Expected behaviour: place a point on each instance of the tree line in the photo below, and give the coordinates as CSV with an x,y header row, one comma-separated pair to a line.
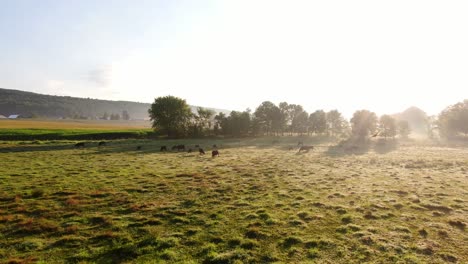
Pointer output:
x,y
173,117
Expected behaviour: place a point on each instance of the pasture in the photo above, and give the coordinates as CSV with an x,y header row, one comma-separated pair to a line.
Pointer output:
x,y
44,129
258,202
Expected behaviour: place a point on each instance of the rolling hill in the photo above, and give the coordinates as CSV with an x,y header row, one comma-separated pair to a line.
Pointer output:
x,y
30,104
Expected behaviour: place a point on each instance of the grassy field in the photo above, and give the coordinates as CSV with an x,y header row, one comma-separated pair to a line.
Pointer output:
x,y
258,202
36,129
73,124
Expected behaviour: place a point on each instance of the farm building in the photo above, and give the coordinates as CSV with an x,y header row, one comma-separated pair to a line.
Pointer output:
x,y
2,117
14,116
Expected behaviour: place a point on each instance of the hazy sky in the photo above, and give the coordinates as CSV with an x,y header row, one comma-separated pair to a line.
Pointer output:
x,y
379,55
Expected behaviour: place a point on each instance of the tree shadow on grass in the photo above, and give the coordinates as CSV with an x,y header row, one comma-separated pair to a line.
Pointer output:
x,y
33,148
353,146
383,146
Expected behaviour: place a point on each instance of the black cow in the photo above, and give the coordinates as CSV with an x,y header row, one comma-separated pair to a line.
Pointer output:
x,y
305,148
201,151
189,150
80,145
138,147
163,148
180,147
101,143
214,153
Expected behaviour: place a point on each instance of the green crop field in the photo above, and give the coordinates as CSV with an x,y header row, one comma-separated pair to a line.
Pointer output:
x,y
258,202
37,129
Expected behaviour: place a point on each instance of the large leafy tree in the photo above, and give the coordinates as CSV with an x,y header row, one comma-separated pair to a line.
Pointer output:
x,y
453,120
387,126
403,128
296,115
268,117
363,123
335,123
170,114
318,122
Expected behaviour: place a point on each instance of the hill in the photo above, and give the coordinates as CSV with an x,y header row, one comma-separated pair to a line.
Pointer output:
x,y
30,104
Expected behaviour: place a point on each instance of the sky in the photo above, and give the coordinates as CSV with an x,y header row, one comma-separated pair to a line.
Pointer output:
x,y
384,56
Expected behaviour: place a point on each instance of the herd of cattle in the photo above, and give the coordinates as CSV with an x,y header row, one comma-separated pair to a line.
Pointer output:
x,y
180,147
201,151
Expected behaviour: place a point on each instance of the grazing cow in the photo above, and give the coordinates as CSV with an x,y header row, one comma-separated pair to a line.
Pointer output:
x,y
201,151
214,146
101,143
305,148
179,147
189,150
163,148
214,153
197,146
80,145
138,147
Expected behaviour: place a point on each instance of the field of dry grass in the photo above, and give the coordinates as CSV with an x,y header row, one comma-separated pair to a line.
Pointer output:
x,y
73,124
256,203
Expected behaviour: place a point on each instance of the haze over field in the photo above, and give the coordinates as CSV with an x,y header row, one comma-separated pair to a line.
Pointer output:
x,y
382,56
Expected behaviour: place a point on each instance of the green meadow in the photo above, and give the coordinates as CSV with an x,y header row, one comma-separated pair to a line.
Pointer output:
x,y
258,202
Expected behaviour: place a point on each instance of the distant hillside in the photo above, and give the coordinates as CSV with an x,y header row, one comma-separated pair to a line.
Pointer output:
x,y
416,118
50,106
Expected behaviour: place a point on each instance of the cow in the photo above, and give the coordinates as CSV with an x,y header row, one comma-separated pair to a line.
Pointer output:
x,y
214,146
101,143
138,147
163,148
214,153
201,151
179,147
189,150
80,145
305,148
197,146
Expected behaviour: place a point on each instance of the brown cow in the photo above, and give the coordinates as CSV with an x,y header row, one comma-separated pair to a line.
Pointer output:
x,y
214,153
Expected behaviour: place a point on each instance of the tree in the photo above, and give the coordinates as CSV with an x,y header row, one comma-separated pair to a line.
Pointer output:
x,y
335,123
220,126
268,116
387,126
125,115
403,128
170,114
286,118
114,117
453,120
363,123
201,122
299,118
318,122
